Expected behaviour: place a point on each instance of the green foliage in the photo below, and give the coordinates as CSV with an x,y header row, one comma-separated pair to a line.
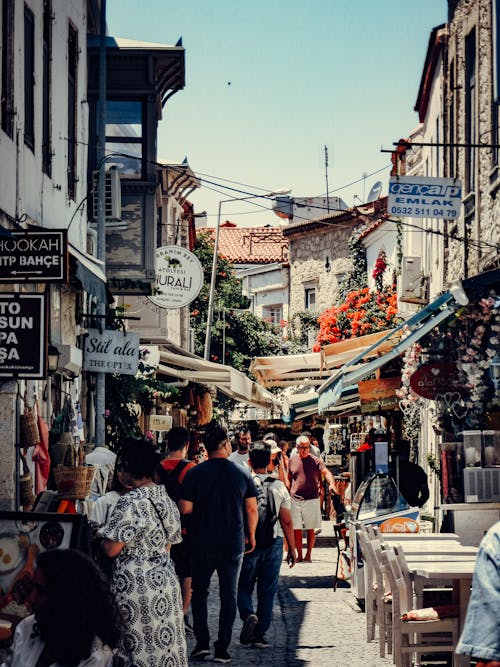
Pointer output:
x,y
358,278
237,335
301,323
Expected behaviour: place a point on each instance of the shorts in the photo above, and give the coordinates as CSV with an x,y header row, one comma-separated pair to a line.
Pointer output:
x,y
179,553
306,514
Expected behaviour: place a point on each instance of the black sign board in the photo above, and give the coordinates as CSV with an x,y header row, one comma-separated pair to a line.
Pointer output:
x,y
34,256
23,323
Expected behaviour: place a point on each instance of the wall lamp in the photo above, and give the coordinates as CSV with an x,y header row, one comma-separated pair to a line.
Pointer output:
x,y
328,266
52,358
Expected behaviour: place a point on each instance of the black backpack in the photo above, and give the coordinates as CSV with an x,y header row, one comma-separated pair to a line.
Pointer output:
x,y
170,479
268,515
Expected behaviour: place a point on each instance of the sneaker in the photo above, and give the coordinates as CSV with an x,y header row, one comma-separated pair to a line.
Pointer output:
x,y
260,642
187,625
249,624
221,655
199,652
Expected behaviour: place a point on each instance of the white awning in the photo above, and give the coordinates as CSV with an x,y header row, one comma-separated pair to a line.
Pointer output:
x,y
314,368
229,381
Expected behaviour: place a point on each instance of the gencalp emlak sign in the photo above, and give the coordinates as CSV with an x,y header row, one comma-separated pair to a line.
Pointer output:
x,y
424,197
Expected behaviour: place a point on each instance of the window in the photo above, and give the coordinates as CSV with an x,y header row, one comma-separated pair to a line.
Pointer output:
x,y
72,96
46,84
470,110
7,93
451,121
310,298
124,137
273,314
496,79
29,78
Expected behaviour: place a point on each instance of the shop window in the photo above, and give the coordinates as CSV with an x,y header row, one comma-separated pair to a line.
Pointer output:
x,y
29,78
46,86
7,92
72,110
124,137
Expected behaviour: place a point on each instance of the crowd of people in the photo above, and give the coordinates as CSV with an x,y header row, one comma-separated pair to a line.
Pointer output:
x,y
166,525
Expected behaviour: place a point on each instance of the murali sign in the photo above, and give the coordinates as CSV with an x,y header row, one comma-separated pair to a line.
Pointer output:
x,y
111,351
424,197
179,277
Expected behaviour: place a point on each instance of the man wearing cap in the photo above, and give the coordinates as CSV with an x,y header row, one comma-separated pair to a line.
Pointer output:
x,y
305,472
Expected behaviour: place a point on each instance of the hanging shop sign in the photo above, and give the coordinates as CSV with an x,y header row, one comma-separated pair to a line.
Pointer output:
x,y
111,351
23,340
424,197
34,256
435,379
160,422
375,395
179,277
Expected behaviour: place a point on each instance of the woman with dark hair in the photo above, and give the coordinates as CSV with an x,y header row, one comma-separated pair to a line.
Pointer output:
x,y
75,619
144,524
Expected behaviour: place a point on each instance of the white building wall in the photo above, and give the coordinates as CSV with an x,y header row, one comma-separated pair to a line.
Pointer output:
x,y
24,189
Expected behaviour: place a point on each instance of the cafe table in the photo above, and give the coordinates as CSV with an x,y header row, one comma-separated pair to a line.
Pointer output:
x,y
459,573
408,537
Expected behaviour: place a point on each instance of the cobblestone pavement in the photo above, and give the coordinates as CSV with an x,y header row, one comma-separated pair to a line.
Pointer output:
x,y
312,624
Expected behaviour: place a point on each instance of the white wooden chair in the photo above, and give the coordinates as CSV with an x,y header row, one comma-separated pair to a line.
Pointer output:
x,y
414,637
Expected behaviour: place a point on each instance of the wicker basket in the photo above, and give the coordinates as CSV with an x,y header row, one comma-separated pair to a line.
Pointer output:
x,y
74,482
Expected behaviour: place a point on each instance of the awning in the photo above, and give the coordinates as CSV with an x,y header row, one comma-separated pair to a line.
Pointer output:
x,y
232,383
90,274
333,390
315,367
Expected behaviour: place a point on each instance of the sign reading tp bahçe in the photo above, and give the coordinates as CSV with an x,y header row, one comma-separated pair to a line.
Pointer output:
x,y
424,197
179,277
111,351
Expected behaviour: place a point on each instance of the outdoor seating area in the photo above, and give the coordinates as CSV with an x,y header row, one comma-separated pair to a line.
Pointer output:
x,y
417,588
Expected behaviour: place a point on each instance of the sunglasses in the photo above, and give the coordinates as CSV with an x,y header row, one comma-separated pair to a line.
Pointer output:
x,y
303,447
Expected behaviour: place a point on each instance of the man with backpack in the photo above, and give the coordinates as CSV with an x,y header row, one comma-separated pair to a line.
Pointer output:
x,y
171,472
262,566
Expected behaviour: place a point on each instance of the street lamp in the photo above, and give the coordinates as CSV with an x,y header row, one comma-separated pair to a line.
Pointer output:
x,y
210,313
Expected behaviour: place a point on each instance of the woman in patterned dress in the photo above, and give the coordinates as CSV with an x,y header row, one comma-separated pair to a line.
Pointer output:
x,y
143,525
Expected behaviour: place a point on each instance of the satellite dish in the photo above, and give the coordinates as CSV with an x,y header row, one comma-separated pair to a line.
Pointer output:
x,y
375,192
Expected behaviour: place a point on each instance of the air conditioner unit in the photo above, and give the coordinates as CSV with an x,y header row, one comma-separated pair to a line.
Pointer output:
x,y
113,196
482,485
413,282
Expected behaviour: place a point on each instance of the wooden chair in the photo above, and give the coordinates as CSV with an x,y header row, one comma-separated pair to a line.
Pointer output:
x,y
370,584
342,540
414,637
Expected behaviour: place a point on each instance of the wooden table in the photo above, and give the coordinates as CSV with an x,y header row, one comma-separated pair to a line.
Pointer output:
x,y
460,573
409,537
425,547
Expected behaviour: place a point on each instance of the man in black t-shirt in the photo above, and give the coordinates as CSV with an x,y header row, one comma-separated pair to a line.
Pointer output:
x,y
413,483
219,500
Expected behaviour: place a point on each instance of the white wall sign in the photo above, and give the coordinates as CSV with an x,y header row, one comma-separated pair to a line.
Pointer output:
x,y
111,351
179,277
424,197
160,422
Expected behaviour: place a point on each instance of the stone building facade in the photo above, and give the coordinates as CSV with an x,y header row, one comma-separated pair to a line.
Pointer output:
x,y
319,259
472,116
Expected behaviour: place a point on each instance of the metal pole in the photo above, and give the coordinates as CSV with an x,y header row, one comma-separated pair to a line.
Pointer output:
x,y
100,429
210,312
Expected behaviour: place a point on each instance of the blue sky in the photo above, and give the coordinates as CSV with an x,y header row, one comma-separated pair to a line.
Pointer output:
x,y
270,83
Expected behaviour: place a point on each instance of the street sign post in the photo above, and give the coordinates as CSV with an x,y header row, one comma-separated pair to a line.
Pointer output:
x,y
34,256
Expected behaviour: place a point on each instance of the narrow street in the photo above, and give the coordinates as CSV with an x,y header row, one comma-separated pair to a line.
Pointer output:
x,y
312,624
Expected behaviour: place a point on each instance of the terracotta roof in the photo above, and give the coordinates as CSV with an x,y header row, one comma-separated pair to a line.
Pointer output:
x,y
251,245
